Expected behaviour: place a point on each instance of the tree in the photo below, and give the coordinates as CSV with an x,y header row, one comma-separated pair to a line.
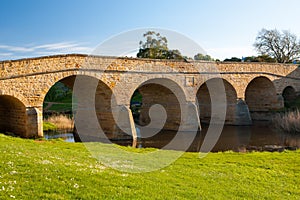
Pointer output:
x,y
283,47
265,58
57,92
233,59
156,46
200,56
261,58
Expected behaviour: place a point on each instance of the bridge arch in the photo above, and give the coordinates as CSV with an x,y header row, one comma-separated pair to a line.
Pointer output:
x,y
204,100
102,99
48,81
13,116
289,94
65,84
165,92
260,95
133,81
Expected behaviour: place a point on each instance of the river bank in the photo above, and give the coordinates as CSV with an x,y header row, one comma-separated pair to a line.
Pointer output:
x,y
39,169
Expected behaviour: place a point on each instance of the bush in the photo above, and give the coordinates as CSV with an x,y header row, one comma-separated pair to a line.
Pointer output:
x,y
47,126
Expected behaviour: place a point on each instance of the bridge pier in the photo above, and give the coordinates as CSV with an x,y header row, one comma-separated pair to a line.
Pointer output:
x,y
124,122
34,122
242,113
191,119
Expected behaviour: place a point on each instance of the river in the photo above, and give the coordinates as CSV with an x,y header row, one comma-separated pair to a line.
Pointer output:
x,y
260,136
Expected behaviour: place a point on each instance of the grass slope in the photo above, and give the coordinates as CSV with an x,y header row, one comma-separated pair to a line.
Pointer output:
x,y
57,170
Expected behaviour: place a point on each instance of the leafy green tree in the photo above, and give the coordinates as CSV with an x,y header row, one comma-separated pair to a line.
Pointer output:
x,y
250,59
265,58
233,59
283,47
261,58
200,56
57,92
156,46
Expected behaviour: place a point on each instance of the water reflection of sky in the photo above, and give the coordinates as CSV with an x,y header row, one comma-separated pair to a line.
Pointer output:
x,y
67,137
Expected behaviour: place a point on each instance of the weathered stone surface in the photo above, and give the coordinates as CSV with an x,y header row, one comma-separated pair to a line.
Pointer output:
x,y
24,84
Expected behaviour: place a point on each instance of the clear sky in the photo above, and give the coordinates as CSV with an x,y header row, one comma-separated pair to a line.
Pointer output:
x,y
223,28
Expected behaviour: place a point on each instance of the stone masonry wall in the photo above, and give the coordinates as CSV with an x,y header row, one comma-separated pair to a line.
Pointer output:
x,y
12,116
29,80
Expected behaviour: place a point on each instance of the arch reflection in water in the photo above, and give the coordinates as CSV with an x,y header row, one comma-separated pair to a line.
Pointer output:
x,y
259,136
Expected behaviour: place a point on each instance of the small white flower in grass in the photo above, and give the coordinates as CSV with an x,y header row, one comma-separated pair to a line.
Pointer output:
x,y
46,162
12,182
76,185
12,196
13,172
10,188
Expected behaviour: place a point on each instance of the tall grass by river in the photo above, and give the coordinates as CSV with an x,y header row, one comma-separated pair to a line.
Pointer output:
x,y
61,122
288,122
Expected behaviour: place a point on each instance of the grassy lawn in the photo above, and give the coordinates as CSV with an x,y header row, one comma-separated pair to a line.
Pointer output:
x,y
58,170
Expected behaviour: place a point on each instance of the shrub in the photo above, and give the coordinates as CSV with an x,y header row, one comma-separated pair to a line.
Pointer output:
x,y
47,126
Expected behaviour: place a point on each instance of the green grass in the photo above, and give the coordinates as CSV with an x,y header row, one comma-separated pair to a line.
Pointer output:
x,y
47,126
58,170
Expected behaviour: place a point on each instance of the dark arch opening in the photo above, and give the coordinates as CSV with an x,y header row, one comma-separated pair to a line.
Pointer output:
x,y
289,96
204,101
163,92
57,110
65,101
135,105
59,97
12,116
152,93
260,95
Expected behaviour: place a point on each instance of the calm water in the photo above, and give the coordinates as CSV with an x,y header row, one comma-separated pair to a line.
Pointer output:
x,y
260,136
68,137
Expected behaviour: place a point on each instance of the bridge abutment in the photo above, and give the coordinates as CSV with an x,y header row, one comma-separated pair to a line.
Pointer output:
x,y
34,122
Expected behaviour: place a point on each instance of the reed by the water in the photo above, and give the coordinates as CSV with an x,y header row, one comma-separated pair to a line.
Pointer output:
x,y
288,122
61,122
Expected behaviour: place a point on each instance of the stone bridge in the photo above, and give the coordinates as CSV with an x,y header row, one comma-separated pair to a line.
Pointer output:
x,y
251,89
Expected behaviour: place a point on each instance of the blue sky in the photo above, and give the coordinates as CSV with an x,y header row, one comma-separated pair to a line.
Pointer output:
x,y
223,28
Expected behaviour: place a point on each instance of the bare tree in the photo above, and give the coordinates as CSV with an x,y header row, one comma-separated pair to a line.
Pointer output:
x,y
283,47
